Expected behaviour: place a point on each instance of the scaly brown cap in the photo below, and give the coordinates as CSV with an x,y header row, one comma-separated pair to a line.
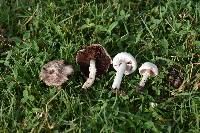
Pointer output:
x,y
97,53
55,73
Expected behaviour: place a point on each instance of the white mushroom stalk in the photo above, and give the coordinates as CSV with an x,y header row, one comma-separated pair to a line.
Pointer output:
x,y
92,74
119,75
144,78
123,63
147,69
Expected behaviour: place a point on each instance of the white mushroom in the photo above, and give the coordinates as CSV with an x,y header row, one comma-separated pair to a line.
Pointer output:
x,y
123,63
153,104
146,70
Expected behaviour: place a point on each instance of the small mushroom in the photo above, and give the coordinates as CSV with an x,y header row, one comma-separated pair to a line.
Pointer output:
x,y
146,70
55,73
93,60
175,77
153,104
123,63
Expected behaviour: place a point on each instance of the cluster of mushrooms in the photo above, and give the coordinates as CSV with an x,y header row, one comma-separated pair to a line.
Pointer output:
x,y
95,61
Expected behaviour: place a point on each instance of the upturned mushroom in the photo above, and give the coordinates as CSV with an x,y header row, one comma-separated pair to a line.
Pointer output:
x,y
55,73
147,69
94,61
123,63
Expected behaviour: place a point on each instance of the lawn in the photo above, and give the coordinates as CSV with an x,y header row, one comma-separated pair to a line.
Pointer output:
x,y
34,32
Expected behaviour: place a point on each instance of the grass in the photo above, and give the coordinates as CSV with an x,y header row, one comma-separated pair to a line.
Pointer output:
x,y
35,32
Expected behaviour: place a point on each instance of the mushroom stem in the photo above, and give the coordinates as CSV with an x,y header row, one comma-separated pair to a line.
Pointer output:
x,y
144,78
118,77
92,74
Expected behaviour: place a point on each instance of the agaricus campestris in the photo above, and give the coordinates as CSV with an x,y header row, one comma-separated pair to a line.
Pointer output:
x,y
123,63
93,60
147,69
55,73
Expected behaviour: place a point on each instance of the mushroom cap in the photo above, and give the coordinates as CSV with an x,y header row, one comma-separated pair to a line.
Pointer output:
x,y
130,61
55,73
150,67
93,52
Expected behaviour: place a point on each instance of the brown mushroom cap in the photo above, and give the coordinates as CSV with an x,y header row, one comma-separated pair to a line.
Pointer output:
x,y
97,53
55,73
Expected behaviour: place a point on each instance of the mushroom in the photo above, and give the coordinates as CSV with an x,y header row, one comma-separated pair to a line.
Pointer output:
x,y
123,63
93,60
55,73
153,104
146,70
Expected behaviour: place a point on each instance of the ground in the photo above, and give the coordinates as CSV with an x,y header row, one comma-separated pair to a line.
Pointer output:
x,y
164,32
